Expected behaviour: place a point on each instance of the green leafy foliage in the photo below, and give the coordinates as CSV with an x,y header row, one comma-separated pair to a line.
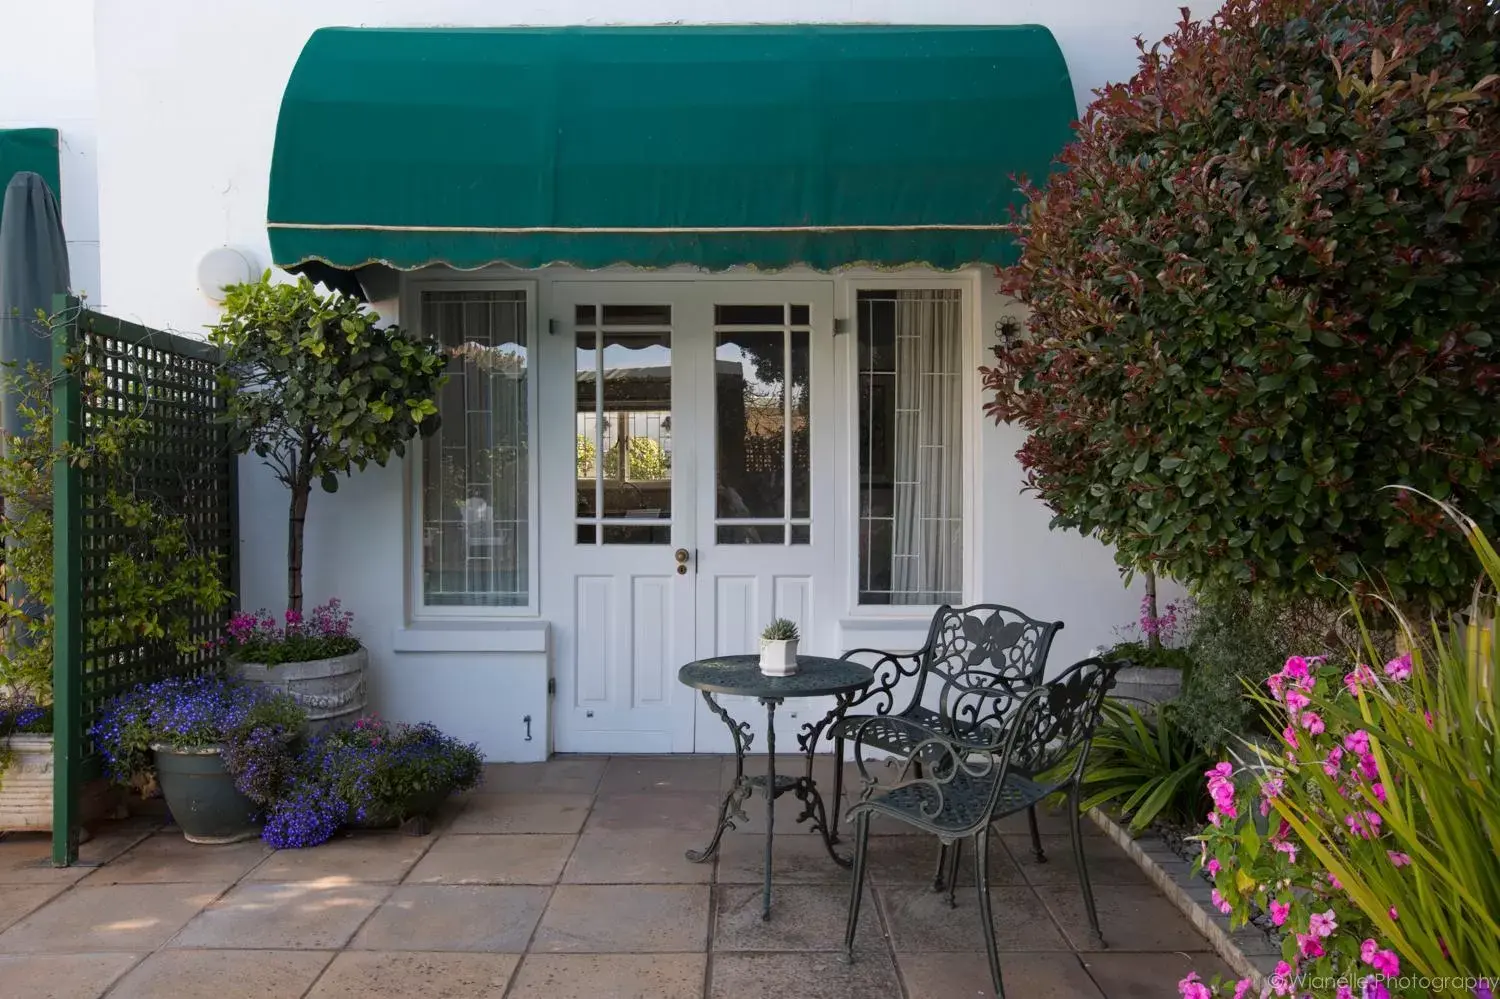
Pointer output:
x,y
1262,287
317,389
1149,656
779,630
1147,766
646,459
158,580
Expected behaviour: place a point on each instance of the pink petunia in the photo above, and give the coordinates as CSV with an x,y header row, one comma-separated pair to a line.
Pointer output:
x,y
1335,883
1309,945
1221,903
1357,741
1322,924
1387,963
1392,913
1399,668
1379,791
1213,868
1290,736
1313,722
1375,989
1290,849
1295,668
1296,700
1398,859
1335,758
1191,988
1344,992
1367,950
1281,978
1279,912
1241,988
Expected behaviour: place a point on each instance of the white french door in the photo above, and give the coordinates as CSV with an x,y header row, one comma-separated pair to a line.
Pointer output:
x,y
686,428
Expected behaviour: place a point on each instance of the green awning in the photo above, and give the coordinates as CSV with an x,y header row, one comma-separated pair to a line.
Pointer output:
x,y
32,150
713,146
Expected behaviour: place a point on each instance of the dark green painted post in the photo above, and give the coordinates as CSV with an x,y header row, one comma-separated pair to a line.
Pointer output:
x,y
67,571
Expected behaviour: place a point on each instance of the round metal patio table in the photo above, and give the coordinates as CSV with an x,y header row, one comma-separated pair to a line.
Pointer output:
x,y
740,676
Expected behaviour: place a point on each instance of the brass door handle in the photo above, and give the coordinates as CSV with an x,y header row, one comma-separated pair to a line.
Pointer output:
x,y
682,556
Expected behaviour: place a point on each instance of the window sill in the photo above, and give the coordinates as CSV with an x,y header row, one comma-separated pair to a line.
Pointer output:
x,y
476,636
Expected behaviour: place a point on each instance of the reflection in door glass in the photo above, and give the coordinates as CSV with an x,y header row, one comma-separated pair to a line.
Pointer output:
x,y
762,419
624,429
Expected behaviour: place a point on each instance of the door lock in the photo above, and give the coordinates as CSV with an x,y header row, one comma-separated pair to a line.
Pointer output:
x,y
682,556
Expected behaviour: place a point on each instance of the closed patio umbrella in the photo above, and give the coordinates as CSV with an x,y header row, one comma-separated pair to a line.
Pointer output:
x,y
33,268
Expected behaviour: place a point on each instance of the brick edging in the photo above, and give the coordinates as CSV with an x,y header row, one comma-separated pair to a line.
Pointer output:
x,y
1190,893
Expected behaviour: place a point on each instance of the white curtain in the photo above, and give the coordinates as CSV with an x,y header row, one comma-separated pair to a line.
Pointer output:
x,y
927,560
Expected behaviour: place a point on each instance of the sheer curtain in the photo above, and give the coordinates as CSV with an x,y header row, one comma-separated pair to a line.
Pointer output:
x,y
926,555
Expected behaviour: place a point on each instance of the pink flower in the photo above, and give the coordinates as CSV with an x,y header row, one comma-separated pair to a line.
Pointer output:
x,y
1281,978
1379,791
1335,883
1331,764
1241,988
1296,700
1367,950
1290,736
1191,988
1393,915
1357,741
1387,963
1213,868
1368,766
1375,989
1295,668
1398,859
1288,848
1313,722
1221,903
1275,683
1309,945
1360,676
1344,992
1399,668
1279,912
1322,924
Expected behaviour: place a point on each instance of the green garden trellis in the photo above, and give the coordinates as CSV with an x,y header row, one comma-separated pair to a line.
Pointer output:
x,y
184,459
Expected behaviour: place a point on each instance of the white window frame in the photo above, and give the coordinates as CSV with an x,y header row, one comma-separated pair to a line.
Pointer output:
x,y
969,284
417,609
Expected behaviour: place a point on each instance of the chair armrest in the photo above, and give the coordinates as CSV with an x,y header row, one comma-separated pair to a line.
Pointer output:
x,y
890,669
931,748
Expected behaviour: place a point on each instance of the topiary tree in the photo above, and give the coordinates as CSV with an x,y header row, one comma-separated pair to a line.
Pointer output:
x,y
317,389
1264,286
645,459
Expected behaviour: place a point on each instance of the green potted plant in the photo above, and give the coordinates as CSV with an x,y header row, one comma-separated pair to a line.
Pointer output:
x,y
159,582
317,389
778,648
183,730
315,658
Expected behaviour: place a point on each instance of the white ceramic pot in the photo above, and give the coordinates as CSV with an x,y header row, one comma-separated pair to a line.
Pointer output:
x,y
26,785
778,658
332,690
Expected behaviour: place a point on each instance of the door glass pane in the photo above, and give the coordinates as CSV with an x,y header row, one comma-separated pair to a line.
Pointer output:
x,y
756,534
624,424
801,428
750,424
475,468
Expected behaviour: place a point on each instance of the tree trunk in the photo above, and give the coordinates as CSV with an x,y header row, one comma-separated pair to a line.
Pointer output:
x,y
1154,639
300,493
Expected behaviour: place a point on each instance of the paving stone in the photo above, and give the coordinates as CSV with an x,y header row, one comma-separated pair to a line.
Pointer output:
x,y
967,976
560,775
806,975
108,917
299,915
61,976
1049,821
913,860
213,974
624,919
1107,863
364,857
681,812
375,975
26,859
1150,976
614,856
497,919
494,860
168,857
18,901
920,920
794,860
610,976
523,812
650,774
1132,917
803,917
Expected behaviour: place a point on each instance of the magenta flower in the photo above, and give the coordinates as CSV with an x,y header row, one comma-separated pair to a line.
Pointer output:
x,y
1379,791
1290,736
1313,722
1357,742
1296,700
1213,868
1241,988
1309,945
1295,668
1392,913
1322,924
1344,992
1367,950
1221,903
1398,859
1281,978
1399,668
1335,883
1375,989
1387,963
1290,849
1279,912
1331,764
1191,988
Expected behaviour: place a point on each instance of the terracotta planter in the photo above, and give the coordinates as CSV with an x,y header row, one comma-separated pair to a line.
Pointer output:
x,y
201,795
332,690
26,784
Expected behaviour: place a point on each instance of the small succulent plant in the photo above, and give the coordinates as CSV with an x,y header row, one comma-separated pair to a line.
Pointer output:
x,y
779,630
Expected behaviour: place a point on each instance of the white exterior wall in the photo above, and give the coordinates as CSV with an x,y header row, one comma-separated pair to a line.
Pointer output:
x,y
187,100
47,81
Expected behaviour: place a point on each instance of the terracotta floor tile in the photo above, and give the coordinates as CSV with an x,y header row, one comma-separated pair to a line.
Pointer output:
x,y
498,919
411,975
535,859
222,974
299,915
624,919
610,976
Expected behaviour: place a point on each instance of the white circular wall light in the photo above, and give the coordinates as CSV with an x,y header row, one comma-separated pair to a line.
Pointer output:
x,y
221,268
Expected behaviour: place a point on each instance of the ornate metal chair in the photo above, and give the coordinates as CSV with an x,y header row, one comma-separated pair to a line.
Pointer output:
x,y
984,646
1040,748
